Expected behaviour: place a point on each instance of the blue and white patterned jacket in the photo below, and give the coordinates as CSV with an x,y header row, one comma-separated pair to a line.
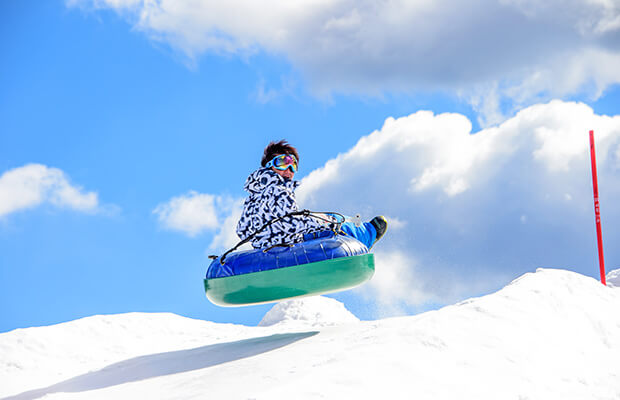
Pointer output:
x,y
272,196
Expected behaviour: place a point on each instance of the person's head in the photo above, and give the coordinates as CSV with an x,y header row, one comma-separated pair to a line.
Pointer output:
x,y
275,149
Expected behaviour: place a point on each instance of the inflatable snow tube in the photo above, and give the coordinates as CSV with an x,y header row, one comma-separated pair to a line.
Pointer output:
x,y
322,265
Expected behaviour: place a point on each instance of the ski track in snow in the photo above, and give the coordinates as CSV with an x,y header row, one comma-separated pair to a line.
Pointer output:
x,y
552,334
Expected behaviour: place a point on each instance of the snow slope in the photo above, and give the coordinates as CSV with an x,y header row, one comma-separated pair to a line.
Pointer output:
x,y
552,334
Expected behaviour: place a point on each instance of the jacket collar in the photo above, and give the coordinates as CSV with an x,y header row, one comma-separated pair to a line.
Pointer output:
x,y
263,177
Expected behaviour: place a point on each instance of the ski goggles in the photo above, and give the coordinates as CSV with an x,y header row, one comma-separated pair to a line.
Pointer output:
x,y
282,162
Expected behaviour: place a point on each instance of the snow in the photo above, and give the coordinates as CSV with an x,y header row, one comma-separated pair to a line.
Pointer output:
x,y
318,311
552,334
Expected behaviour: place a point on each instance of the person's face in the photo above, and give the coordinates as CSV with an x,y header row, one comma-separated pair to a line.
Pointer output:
x,y
286,174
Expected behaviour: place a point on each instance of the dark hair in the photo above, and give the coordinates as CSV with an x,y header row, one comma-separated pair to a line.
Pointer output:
x,y
276,148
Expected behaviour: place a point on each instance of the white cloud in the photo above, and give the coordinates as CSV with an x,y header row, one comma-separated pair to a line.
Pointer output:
x,y
35,184
191,213
438,151
396,223
226,237
396,280
195,213
520,51
446,154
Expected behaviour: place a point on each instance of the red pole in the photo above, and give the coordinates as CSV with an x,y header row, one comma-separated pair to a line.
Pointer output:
x,y
597,212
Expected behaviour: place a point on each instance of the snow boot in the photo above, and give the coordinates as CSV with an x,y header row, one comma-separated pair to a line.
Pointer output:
x,y
380,224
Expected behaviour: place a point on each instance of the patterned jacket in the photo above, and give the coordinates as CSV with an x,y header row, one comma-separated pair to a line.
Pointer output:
x,y
272,196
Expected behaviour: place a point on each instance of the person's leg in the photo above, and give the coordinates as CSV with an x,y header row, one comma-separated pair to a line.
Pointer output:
x,y
368,232
365,233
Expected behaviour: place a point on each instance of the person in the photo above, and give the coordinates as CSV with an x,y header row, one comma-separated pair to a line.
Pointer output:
x,y
271,191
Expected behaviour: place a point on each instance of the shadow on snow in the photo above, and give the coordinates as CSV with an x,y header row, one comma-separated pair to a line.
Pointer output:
x,y
154,365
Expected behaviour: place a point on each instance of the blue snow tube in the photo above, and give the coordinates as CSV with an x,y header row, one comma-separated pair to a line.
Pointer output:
x,y
327,262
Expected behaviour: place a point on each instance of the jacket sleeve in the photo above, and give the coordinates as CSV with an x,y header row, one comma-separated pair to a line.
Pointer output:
x,y
249,221
284,202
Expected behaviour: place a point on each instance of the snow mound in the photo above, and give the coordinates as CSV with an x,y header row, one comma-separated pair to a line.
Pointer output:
x,y
613,278
44,355
552,334
314,311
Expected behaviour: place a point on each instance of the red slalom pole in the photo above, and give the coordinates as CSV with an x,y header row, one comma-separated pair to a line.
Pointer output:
x,y
597,212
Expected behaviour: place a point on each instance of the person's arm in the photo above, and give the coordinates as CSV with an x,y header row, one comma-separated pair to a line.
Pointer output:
x,y
244,226
285,203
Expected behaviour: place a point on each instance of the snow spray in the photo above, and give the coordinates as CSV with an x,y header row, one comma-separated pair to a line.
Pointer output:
x,y
597,212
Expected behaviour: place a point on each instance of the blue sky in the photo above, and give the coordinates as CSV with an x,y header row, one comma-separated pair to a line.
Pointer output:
x,y
111,115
